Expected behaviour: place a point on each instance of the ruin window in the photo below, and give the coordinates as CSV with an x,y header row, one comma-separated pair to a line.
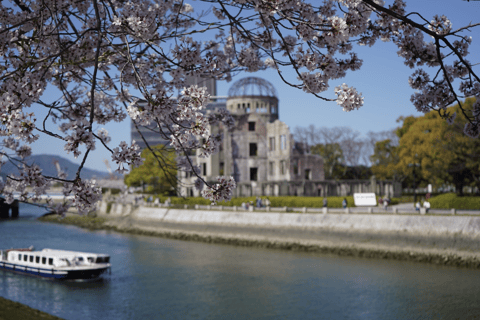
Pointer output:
x,y
253,149
308,174
271,168
283,142
251,126
283,167
253,174
295,167
204,169
271,144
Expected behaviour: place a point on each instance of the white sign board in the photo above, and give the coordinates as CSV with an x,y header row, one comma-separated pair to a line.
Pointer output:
x,y
365,199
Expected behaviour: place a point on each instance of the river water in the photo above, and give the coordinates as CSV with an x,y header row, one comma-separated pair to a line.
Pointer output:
x,y
155,278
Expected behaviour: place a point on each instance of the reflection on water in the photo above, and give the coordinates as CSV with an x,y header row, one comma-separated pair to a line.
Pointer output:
x,y
154,278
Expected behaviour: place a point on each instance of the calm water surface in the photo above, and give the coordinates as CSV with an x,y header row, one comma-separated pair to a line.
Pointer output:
x,y
154,278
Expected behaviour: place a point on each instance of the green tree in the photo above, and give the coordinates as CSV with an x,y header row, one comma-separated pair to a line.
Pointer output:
x,y
444,153
158,171
333,159
464,166
384,160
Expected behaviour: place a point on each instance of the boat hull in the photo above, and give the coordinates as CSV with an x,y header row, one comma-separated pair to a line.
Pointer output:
x,y
79,274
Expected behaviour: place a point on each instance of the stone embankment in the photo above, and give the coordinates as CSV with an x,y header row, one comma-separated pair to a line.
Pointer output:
x,y
450,240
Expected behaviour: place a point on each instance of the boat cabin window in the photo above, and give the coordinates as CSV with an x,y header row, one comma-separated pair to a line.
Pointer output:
x,y
44,260
19,257
50,261
37,259
103,259
80,259
91,259
25,257
31,258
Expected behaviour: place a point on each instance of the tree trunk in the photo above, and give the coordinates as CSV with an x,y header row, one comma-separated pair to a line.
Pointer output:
x,y
459,188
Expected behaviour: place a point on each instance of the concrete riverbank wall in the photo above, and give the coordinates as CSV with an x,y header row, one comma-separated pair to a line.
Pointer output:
x,y
466,226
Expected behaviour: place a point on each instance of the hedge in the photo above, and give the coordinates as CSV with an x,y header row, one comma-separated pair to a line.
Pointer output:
x,y
283,201
452,201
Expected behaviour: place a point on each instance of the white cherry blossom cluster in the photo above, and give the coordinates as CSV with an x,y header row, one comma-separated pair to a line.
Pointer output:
x,y
221,191
440,25
192,126
85,195
30,176
129,155
348,98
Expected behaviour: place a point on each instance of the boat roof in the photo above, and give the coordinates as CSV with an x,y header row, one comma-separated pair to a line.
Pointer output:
x,y
60,253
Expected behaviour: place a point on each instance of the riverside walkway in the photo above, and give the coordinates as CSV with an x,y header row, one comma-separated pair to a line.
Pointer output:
x,y
403,208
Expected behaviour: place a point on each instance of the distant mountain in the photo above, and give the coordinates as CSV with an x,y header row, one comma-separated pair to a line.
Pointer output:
x,y
47,163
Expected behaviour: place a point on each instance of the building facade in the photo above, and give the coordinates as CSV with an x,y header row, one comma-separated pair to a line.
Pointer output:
x,y
259,152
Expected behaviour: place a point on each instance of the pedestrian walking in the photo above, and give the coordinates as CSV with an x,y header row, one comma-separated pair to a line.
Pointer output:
x,y
344,203
325,202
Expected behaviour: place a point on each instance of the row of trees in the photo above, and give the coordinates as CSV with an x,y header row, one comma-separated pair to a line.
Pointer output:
x,y
346,155
423,150
439,153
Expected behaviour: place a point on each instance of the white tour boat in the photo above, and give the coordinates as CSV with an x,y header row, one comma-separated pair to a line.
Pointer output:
x,y
57,264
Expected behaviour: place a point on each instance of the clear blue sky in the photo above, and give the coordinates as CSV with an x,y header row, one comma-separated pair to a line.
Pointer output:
x,y
383,80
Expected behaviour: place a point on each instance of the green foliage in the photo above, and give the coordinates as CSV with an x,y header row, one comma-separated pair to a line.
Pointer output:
x,y
360,172
310,202
453,201
435,152
283,201
158,171
384,160
332,155
113,191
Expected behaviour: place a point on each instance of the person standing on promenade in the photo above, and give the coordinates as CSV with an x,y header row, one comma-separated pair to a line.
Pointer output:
x,y
267,202
417,206
325,202
426,205
258,201
344,203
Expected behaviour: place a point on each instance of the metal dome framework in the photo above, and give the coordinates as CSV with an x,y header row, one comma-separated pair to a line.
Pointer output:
x,y
252,86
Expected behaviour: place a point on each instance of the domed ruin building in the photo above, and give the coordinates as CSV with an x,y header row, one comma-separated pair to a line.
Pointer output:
x,y
259,152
